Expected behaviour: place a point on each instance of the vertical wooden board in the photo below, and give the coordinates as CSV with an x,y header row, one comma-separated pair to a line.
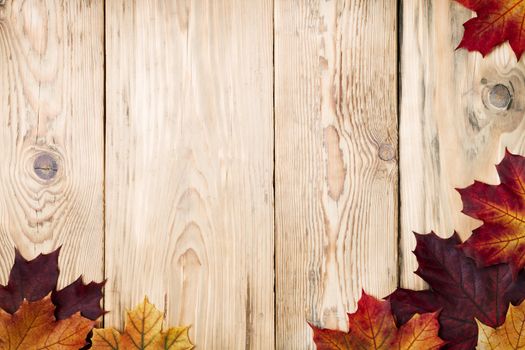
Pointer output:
x,y
51,133
451,133
336,166
189,166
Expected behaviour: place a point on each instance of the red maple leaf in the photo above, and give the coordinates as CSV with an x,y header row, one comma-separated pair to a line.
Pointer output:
x,y
372,326
497,21
473,5
501,207
460,289
33,280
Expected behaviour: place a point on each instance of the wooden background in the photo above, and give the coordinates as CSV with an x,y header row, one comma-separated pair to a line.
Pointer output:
x,y
250,165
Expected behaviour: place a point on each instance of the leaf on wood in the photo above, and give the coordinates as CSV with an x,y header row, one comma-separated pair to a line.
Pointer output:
x,y
143,330
31,280
511,335
497,21
79,297
501,238
34,279
471,4
34,326
460,289
372,326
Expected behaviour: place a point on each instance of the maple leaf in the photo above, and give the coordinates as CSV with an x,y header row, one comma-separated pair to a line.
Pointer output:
x,y
501,207
372,326
34,326
460,289
34,279
79,297
31,280
511,335
143,330
473,5
497,21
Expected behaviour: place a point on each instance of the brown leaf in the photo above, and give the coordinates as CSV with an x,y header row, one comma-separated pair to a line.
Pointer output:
x,y
33,326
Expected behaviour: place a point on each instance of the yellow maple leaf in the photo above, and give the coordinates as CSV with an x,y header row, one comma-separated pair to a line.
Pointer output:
x,y
510,335
33,326
143,331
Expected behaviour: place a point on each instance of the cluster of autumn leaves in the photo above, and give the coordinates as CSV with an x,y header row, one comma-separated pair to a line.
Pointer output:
x,y
472,283
35,315
477,287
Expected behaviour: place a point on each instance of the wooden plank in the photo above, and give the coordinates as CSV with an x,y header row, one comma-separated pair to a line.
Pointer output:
x,y
336,168
189,166
451,130
52,133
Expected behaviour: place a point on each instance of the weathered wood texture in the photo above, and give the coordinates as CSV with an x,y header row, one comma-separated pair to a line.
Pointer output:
x,y
192,109
189,166
336,161
453,126
52,133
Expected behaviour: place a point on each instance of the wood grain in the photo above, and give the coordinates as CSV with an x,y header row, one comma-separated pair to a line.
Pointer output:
x,y
452,128
189,166
51,133
336,166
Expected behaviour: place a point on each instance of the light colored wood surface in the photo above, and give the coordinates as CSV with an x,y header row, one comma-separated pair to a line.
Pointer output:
x,y
450,132
189,160
189,166
51,101
336,167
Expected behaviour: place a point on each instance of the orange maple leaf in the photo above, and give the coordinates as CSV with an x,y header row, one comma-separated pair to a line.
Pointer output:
x,y
372,326
497,21
33,326
510,335
143,330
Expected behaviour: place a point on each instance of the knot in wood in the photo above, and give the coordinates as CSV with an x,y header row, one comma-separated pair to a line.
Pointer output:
x,y
386,152
45,166
500,96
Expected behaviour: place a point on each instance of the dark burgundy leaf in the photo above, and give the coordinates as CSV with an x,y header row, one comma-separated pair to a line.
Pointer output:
x,y
516,293
31,280
459,288
406,303
79,297
456,327
34,279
